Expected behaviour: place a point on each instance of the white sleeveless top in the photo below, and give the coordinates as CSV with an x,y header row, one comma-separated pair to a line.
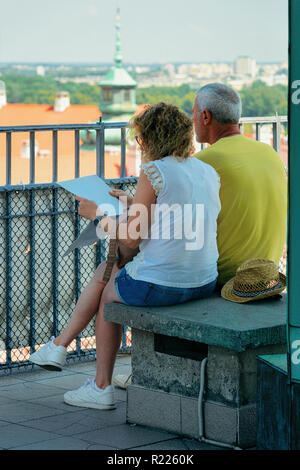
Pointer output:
x,y
181,250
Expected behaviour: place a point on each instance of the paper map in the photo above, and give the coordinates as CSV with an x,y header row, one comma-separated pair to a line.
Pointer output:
x,y
95,189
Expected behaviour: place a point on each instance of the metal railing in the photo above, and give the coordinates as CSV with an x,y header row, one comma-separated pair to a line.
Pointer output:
x,y
275,121
99,128
39,287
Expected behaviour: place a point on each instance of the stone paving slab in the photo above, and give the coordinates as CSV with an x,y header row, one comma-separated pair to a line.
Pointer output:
x,y
193,444
60,443
6,401
56,402
10,380
16,435
71,424
126,436
28,390
63,443
172,444
126,359
81,368
120,394
60,385
66,382
40,374
179,444
20,411
100,447
122,368
4,423
122,360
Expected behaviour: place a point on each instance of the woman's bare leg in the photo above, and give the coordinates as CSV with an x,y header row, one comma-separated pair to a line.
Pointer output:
x,y
108,336
86,307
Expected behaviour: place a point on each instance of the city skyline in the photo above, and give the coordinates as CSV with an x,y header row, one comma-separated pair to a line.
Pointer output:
x,y
160,32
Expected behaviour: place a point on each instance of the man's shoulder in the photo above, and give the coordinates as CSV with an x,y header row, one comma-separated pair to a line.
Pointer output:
x,y
206,154
233,146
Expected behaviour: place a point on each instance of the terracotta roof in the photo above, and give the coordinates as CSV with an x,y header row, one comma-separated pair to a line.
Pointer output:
x,y
17,114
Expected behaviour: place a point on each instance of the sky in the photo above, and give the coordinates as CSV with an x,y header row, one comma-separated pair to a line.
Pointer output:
x,y
152,31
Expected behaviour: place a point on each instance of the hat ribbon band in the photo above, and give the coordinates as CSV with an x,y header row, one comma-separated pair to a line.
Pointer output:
x,y
255,294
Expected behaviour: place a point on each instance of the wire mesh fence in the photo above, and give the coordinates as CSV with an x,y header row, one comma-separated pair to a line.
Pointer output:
x,y
39,286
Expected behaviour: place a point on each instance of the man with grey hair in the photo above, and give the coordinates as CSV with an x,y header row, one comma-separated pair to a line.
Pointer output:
x,y
253,217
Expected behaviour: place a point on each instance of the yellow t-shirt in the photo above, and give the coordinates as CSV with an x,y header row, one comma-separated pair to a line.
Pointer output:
x,y
252,222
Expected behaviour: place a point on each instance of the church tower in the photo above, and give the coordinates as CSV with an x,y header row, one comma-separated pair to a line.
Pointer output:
x,y
118,89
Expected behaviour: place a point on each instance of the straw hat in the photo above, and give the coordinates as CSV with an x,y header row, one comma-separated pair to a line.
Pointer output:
x,y
255,279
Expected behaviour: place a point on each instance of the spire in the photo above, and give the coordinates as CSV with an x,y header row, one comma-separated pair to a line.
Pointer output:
x,y
118,55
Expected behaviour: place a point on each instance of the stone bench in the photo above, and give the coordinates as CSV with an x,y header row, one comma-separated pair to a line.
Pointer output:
x,y
168,345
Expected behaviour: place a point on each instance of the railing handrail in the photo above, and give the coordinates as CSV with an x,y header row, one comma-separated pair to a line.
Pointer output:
x,y
98,127
263,119
53,185
64,127
119,125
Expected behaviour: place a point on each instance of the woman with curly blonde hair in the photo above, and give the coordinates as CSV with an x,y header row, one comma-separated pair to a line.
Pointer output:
x,y
173,220
160,137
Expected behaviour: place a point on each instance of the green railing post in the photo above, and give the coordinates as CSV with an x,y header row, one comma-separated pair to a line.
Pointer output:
x,y
293,271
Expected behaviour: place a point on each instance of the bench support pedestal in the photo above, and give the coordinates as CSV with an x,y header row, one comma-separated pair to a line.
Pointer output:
x,y
168,345
165,388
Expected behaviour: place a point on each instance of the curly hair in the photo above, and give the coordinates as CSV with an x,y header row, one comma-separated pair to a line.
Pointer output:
x,y
165,131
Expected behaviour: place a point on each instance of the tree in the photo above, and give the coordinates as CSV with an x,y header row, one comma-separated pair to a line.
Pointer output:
x,y
258,99
263,100
188,103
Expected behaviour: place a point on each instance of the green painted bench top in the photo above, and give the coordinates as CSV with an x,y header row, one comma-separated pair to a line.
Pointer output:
x,y
213,321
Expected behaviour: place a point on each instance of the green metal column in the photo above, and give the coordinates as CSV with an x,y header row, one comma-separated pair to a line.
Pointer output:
x,y
293,330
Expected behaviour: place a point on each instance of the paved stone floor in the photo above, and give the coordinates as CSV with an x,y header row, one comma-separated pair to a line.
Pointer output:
x,y
34,416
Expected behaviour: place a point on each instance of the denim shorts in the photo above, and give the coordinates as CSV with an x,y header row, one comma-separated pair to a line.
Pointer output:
x,y
141,293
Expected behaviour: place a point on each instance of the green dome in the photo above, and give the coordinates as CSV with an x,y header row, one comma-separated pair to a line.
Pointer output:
x,y
117,76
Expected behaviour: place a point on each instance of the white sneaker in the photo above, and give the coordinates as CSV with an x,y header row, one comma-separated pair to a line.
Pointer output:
x,y
90,396
122,381
50,356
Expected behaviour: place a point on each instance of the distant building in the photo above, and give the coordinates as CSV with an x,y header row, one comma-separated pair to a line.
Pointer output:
x,y
170,69
239,83
245,65
3,99
40,70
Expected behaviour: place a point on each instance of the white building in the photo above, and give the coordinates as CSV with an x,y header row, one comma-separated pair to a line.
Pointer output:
x,y
40,70
245,65
170,69
3,100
